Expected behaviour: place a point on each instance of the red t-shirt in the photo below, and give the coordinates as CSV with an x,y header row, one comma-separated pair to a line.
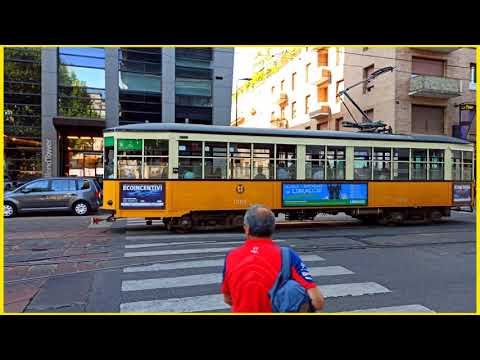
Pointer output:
x,y
251,270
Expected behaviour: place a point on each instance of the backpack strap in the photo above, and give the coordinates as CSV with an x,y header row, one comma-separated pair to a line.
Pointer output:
x,y
285,270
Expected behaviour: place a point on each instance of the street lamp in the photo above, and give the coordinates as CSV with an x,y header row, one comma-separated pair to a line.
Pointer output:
x,y
236,99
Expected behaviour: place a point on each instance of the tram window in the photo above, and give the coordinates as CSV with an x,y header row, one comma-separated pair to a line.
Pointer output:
x,y
286,152
190,168
419,155
129,147
467,166
216,168
240,168
215,149
419,164
263,151
240,150
381,164
435,167
108,158
156,147
362,164
401,164
156,168
401,155
189,148
130,168
335,163
286,169
456,165
315,162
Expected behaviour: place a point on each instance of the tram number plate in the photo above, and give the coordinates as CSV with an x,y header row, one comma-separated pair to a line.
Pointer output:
x,y
324,194
142,195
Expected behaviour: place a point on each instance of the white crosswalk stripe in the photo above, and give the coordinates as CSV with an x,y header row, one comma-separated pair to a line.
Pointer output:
x,y
213,278
215,302
196,264
138,246
178,252
396,309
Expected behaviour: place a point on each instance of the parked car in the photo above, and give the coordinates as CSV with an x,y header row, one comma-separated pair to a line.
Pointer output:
x,y
80,194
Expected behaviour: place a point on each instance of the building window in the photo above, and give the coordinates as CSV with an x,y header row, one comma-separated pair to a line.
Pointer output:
x,y
322,93
140,85
294,110
338,123
22,115
81,82
308,127
294,75
428,119
367,87
430,67
282,113
323,125
307,68
307,104
337,52
340,87
473,73
322,57
282,85
273,90
193,85
370,113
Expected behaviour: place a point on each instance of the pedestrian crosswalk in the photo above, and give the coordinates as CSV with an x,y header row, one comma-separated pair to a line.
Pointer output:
x,y
170,282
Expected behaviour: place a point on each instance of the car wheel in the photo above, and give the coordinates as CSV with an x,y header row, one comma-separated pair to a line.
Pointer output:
x,y
9,210
81,208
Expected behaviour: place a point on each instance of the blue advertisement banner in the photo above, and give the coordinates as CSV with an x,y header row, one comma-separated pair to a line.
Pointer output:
x,y
324,194
142,195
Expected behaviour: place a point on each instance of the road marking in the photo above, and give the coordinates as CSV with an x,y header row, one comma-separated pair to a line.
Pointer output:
x,y
216,278
396,309
177,252
197,264
215,302
191,236
137,246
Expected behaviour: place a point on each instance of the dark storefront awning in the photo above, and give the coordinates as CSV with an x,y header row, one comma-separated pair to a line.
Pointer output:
x,y
72,126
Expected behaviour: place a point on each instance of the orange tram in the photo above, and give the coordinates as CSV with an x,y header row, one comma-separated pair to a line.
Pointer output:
x,y
204,177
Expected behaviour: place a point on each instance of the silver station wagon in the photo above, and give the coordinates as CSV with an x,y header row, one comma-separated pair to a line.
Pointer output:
x,y
80,195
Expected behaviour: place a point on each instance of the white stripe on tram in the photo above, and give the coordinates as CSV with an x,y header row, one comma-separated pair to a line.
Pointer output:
x,y
215,302
212,278
197,264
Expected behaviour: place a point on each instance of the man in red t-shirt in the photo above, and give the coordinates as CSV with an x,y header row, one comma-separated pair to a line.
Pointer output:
x,y
251,269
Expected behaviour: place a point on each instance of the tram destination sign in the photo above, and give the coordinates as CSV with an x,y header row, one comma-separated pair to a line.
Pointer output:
x,y
324,194
142,195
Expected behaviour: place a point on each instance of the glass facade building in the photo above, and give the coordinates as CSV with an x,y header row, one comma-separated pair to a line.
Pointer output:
x,y
59,100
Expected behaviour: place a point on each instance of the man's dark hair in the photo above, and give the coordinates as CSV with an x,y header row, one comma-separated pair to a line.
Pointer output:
x,y
260,221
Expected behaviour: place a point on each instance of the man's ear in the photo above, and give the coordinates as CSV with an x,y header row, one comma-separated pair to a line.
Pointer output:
x,y
247,230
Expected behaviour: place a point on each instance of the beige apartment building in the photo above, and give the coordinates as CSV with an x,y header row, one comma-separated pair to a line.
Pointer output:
x,y
424,94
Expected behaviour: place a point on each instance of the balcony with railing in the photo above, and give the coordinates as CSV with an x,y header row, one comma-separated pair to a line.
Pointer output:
x,y
322,110
434,86
282,99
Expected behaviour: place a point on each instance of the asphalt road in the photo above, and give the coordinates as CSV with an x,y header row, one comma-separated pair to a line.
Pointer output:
x,y
409,268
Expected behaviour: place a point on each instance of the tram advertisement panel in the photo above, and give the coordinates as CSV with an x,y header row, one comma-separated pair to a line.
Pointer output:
x,y
324,194
462,193
142,195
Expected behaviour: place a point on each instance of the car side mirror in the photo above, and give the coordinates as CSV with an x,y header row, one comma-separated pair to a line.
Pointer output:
x,y
26,191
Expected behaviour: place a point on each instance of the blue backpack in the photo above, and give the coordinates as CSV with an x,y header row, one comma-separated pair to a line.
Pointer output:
x,y
287,295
